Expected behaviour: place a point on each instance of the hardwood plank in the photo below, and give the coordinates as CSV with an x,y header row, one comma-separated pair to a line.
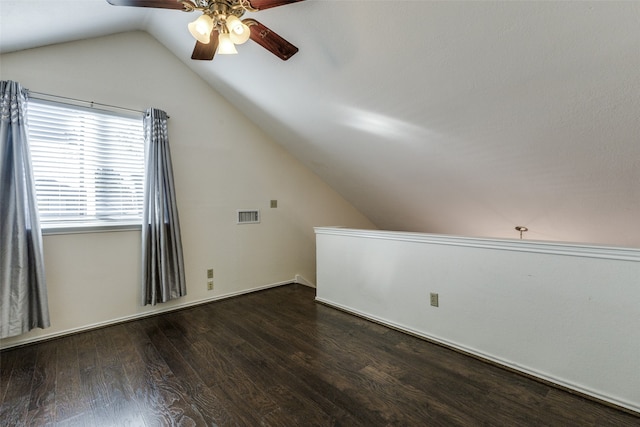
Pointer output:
x,y
355,362
71,405
219,382
118,391
125,341
15,405
576,410
295,396
207,406
8,359
42,405
235,348
92,384
13,412
164,397
18,394
449,393
223,372
284,352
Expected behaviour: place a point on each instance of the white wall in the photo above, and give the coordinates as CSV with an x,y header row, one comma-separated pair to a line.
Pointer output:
x,y
222,162
566,313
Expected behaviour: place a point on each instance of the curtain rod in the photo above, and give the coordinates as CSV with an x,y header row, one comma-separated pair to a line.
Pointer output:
x,y
91,104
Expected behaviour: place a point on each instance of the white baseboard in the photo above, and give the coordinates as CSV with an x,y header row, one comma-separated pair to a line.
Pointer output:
x,y
123,319
302,281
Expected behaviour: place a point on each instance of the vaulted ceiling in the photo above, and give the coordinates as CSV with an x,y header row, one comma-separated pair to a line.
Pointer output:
x,y
453,117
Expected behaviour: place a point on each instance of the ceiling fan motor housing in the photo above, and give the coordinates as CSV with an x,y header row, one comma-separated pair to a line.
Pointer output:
x,y
218,10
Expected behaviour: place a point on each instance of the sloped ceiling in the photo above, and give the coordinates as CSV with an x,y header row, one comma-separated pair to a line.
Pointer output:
x,y
454,117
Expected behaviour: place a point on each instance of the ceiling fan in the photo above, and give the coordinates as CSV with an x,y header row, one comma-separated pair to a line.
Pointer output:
x,y
219,28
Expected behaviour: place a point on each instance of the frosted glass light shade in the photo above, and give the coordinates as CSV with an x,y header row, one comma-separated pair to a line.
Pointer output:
x,y
201,28
234,24
225,45
238,30
242,37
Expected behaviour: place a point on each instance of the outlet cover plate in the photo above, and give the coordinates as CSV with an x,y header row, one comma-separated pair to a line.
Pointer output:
x,y
434,299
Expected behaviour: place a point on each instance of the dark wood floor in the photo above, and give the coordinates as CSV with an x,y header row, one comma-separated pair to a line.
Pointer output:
x,y
272,358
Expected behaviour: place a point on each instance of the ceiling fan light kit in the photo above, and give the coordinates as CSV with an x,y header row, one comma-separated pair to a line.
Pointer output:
x,y
220,28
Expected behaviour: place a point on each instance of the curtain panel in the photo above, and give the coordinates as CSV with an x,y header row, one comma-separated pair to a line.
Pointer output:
x,y
23,293
163,276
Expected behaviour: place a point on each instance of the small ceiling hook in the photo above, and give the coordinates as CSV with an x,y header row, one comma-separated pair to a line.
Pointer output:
x,y
521,229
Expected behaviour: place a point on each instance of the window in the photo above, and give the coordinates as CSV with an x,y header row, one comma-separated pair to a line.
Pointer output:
x,y
88,165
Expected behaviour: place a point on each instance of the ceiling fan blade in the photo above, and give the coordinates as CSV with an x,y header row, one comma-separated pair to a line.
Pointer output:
x,y
266,4
270,40
205,52
160,4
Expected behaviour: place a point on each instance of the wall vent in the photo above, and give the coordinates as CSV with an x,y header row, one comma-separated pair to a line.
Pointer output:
x,y
248,216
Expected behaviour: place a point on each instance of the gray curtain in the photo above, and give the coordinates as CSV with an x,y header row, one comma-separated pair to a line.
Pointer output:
x,y
163,276
23,293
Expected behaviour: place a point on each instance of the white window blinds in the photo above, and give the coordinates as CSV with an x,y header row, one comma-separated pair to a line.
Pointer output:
x,y
88,165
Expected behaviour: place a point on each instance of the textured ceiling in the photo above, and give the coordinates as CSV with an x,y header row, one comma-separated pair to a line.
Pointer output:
x,y
450,117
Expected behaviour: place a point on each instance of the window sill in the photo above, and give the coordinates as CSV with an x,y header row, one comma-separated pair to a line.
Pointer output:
x,y
82,229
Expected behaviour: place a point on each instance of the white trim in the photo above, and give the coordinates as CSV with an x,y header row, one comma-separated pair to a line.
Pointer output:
x,y
141,315
302,281
482,355
555,248
51,230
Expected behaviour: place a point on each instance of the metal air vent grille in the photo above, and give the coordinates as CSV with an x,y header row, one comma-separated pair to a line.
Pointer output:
x,y
248,216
